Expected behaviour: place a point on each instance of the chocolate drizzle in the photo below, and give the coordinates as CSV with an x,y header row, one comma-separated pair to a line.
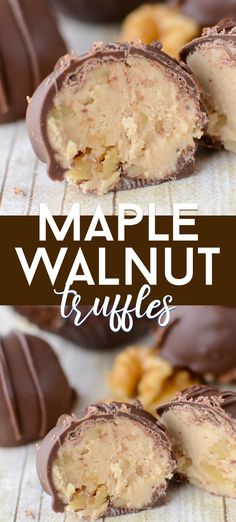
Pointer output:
x,y
9,394
38,389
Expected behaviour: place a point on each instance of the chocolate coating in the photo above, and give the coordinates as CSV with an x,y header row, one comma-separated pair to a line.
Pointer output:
x,y
30,45
224,32
94,333
207,12
33,389
208,397
100,12
201,339
69,76
69,429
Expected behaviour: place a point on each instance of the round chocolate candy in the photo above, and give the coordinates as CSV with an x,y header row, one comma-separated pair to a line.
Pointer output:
x,y
33,389
207,12
95,333
122,116
113,459
101,11
202,424
201,339
212,60
30,45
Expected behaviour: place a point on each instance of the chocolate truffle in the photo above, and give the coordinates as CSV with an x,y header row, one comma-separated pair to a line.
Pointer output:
x,y
94,333
202,424
112,460
120,117
30,45
207,12
212,60
201,339
102,11
33,389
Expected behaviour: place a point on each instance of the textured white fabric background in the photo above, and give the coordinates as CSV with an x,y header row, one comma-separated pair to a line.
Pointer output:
x,y
24,183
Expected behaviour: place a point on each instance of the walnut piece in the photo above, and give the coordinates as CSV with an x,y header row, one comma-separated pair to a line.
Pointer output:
x,y
82,499
140,373
160,22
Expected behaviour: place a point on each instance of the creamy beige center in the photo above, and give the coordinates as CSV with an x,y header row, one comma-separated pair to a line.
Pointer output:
x,y
117,462
131,115
215,69
206,451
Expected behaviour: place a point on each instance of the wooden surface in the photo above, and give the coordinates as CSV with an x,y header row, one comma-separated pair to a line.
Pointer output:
x,y
24,183
21,496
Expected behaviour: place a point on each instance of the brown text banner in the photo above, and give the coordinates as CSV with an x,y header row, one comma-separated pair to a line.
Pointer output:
x,y
198,271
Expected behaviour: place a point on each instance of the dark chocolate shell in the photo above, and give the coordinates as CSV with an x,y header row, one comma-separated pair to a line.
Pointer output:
x,y
201,339
33,389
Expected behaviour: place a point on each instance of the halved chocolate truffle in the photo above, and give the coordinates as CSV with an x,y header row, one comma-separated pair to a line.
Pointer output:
x,y
202,424
30,45
101,11
112,460
95,333
201,339
212,59
33,389
119,117
207,12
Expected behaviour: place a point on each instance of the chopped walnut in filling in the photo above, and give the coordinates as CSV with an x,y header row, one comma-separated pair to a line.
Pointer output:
x,y
118,463
116,119
205,448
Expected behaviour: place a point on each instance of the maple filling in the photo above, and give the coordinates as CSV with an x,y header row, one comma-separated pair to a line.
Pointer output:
x,y
214,68
205,448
